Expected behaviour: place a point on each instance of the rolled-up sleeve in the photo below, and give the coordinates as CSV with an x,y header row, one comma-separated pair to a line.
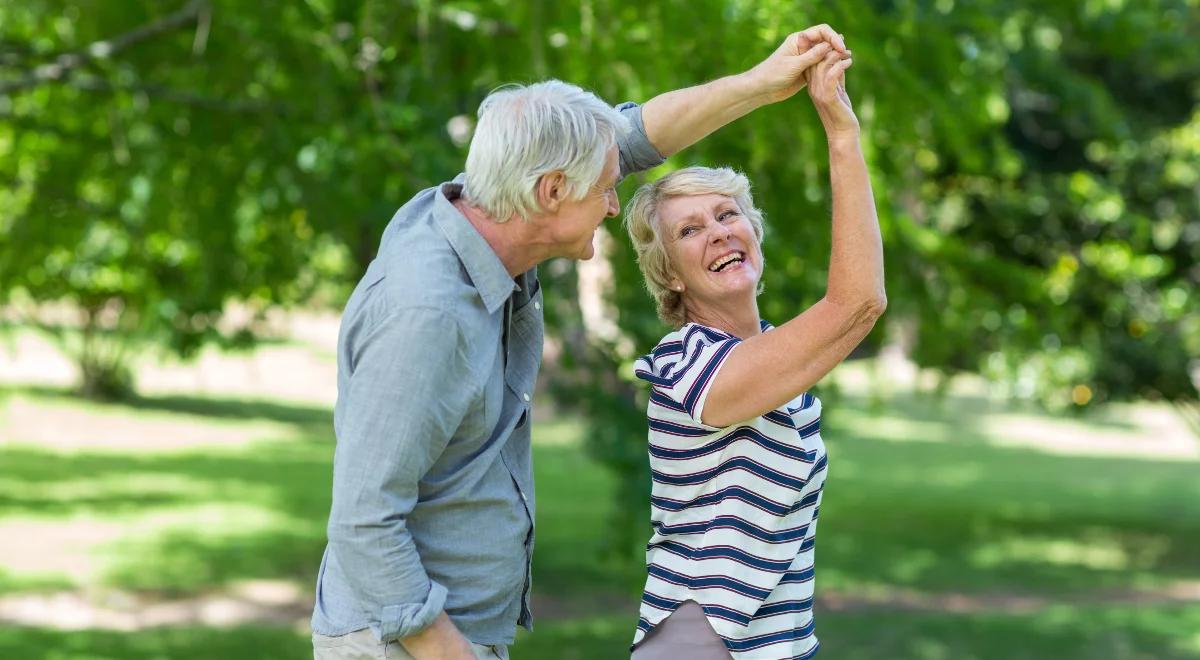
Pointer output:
x,y
637,153
407,393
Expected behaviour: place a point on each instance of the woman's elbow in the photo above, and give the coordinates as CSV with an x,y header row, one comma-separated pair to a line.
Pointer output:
x,y
879,304
861,309
871,308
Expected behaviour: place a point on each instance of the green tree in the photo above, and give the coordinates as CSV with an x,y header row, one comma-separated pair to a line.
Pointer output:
x,y
1035,164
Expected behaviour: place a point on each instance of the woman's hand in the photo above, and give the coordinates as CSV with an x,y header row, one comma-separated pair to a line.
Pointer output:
x,y
827,87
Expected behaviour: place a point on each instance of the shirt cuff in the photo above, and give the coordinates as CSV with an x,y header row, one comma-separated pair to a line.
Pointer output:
x,y
403,620
637,152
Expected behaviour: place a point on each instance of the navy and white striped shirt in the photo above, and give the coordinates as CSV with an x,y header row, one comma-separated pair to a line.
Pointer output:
x,y
734,509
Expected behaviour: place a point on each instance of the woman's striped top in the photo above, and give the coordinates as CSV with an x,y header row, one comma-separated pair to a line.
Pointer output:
x,y
734,509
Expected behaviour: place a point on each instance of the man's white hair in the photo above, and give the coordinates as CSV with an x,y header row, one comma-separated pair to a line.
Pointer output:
x,y
526,132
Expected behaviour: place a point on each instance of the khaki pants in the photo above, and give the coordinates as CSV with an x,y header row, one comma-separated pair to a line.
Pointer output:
x,y
362,645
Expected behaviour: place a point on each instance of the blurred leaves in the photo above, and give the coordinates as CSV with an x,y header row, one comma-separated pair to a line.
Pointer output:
x,y
1035,166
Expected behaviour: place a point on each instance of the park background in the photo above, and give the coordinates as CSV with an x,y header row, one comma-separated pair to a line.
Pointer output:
x,y
191,188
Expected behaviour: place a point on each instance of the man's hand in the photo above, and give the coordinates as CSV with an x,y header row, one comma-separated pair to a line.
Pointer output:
x,y
440,641
782,74
678,119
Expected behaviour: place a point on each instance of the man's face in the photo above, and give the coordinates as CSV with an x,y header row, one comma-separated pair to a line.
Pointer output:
x,y
575,224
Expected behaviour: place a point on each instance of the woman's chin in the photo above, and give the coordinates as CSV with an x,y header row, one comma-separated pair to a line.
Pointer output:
x,y
744,278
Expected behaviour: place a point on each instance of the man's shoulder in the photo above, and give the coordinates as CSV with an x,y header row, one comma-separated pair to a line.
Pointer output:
x,y
421,272
417,269
419,265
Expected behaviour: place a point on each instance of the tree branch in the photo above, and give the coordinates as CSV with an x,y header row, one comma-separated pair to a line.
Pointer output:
x,y
96,84
67,63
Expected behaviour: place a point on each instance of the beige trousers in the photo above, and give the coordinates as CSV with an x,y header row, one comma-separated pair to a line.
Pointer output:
x,y
362,645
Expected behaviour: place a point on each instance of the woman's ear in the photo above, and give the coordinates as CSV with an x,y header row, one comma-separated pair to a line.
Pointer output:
x,y
551,191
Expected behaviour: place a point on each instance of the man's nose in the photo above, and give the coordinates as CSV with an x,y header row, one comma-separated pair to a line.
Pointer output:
x,y
614,204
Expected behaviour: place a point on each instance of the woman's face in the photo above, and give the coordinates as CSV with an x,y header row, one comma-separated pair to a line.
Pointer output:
x,y
713,252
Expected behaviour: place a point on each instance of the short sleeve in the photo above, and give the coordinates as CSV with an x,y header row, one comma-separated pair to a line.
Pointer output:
x,y
637,152
681,372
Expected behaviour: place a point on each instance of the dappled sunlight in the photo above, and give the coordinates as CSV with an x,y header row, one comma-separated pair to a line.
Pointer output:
x,y
250,601
1094,551
167,522
63,424
872,405
1003,518
1069,631
187,509
1157,434
56,550
187,547
138,490
30,358
193,188
184,642
896,427
311,374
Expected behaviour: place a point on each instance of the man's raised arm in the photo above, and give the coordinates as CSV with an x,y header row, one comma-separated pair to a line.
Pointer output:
x,y
675,120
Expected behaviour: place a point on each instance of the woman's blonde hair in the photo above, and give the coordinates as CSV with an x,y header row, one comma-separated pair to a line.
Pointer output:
x,y
642,223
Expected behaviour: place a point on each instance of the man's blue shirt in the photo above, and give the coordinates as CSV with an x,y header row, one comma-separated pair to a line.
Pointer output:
x,y
433,503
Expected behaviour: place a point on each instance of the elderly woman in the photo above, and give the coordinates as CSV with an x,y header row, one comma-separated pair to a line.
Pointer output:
x,y
735,445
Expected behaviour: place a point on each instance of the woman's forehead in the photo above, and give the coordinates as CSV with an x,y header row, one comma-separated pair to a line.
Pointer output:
x,y
679,207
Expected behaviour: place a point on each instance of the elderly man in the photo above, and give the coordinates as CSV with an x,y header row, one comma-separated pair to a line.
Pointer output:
x,y
431,528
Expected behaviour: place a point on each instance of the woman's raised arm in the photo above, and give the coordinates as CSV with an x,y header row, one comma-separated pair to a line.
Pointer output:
x,y
768,370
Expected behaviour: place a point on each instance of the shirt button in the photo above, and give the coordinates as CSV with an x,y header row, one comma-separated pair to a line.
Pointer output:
x,y
537,305
525,396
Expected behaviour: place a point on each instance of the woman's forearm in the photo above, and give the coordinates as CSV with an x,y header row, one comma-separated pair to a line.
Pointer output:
x,y
856,257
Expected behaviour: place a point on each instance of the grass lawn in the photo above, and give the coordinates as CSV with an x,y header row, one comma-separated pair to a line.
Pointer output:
x,y
938,539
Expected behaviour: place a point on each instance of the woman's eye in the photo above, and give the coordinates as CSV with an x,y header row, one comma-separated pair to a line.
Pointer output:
x,y
725,215
687,231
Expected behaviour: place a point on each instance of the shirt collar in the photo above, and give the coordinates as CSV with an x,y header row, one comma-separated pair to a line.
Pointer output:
x,y
484,267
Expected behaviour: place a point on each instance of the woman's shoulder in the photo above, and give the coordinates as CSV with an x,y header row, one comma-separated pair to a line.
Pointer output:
x,y
668,349
683,340
693,334
682,350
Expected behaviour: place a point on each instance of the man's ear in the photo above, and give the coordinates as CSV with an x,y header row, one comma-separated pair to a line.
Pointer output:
x,y
551,191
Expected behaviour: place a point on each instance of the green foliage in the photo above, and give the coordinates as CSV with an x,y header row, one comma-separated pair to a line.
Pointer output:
x,y
1035,167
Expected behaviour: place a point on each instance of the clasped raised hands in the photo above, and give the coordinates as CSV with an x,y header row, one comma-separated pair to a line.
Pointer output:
x,y
816,57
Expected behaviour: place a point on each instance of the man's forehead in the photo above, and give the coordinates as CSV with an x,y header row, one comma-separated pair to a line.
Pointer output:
x,y
613,162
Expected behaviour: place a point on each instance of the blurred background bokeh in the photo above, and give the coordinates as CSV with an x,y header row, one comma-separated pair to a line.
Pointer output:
x,y
190,188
